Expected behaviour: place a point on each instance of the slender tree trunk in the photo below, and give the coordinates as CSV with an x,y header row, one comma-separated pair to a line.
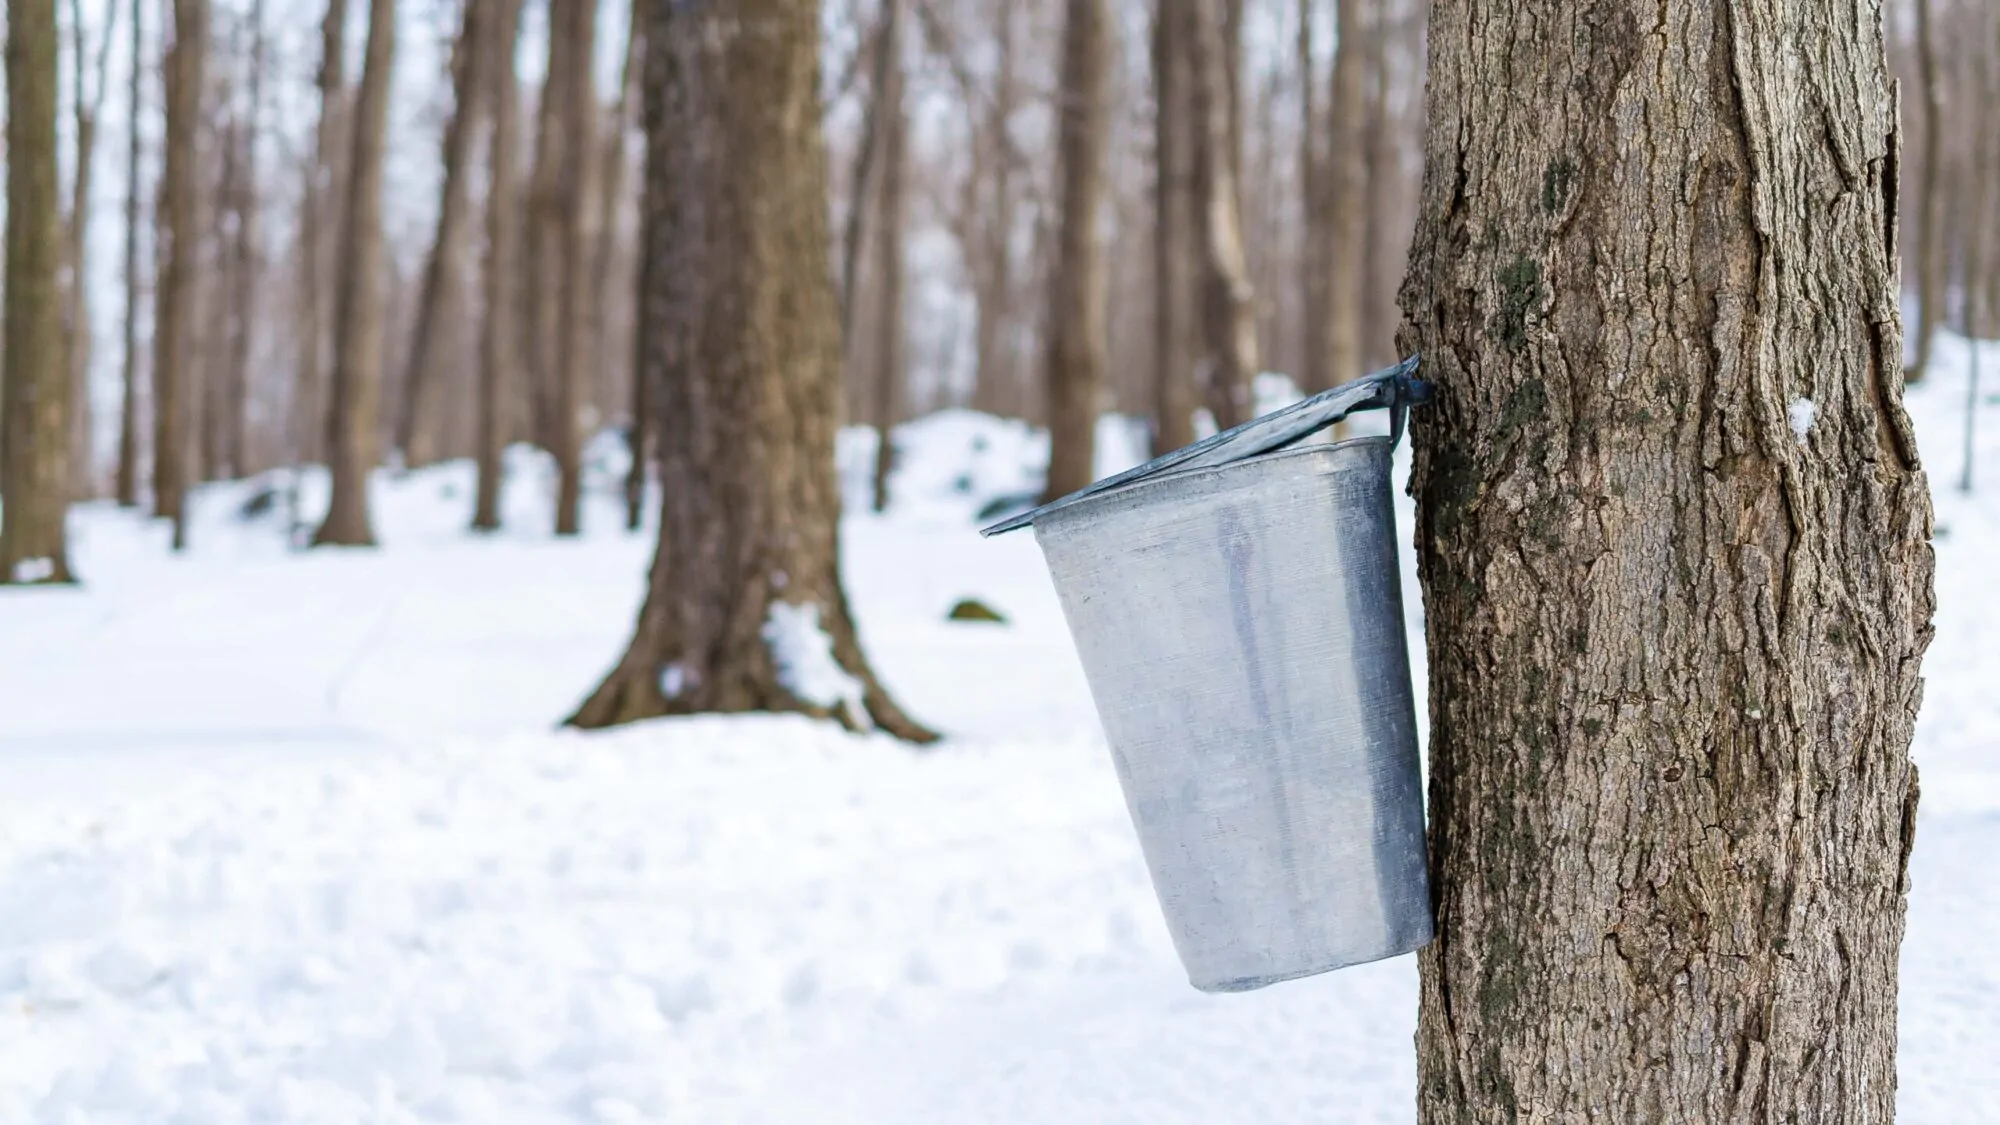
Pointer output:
x,y
128,409
1228,312
78,339
576,356
996,390
892,115
862,189
1075,359
1672,536
1930,204
34,404
442,269
179,246
247,251
1346,229
543,286
1313,257
357,353
497,371
609,210
745,583
320,212
1175,261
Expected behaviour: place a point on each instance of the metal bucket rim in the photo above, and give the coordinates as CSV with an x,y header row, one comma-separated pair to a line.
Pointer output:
x,y
1085,505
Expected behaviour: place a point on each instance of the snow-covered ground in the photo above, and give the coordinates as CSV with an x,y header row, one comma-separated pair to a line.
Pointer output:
x,y
291,838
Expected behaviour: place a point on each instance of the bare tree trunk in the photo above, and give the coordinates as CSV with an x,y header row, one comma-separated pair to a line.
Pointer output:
x,y
35,401
1672,535
746,576
1315,344
543,285
865,165
576,354
245,264
891,116
78,340
357,352
320,211
1931,263
610,197
1175,264
497,371
128,409
1228,310
995,390
1075,361
1347,198
179,244
442,269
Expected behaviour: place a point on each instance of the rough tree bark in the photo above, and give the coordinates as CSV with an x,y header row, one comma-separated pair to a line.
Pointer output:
x,y
1175,259
179,244
744,341
1672,536
1346,199
1931,257
891,114
34,404
127,484
497,331
320,212
1074,363
357,345
575,354
1228,306
442,269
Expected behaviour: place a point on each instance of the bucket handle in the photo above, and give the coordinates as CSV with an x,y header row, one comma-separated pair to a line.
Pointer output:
x,y
1396,388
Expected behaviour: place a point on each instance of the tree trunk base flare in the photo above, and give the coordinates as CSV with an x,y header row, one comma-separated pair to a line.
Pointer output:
x,y
1672,533
744,608
743,677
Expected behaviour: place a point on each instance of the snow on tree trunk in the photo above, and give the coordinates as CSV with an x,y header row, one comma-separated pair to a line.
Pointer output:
x,y
1673,640
743,347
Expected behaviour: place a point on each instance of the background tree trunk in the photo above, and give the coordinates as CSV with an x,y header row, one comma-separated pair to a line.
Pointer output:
x,y
1175,260
1316,252
542,270
34,404
246,259
891,115
1346,230
79,341
128,408
1075,361
1672,536
575,355
357,352
179,246
498,332
1931,263
1228,312
320,212
745,336
442,269
996,386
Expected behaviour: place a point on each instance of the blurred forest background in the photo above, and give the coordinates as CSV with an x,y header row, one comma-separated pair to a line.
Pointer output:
x,y
394,232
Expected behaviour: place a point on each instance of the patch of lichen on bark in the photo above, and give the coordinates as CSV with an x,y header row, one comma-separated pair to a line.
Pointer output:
x,y
1520,294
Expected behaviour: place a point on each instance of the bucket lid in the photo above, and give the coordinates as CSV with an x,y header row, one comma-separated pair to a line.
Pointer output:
x,y
1393,387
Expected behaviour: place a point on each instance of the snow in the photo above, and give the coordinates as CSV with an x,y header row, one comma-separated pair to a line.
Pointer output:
x,y
292,837
1801,414
803,653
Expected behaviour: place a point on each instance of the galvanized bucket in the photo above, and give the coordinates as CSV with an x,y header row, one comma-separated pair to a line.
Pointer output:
x,y
1238,613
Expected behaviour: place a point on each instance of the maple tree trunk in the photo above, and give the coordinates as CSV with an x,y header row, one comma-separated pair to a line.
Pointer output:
x,y
1931,258
1074,364
127,484
745,335
442,268
1228,312
35,399
498,373
1176,263
358,312
575,353
892,118
179,245
1346,201
1672,538
320,212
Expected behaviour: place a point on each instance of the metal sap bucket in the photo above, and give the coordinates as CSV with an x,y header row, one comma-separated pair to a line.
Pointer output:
x,y
1238,611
